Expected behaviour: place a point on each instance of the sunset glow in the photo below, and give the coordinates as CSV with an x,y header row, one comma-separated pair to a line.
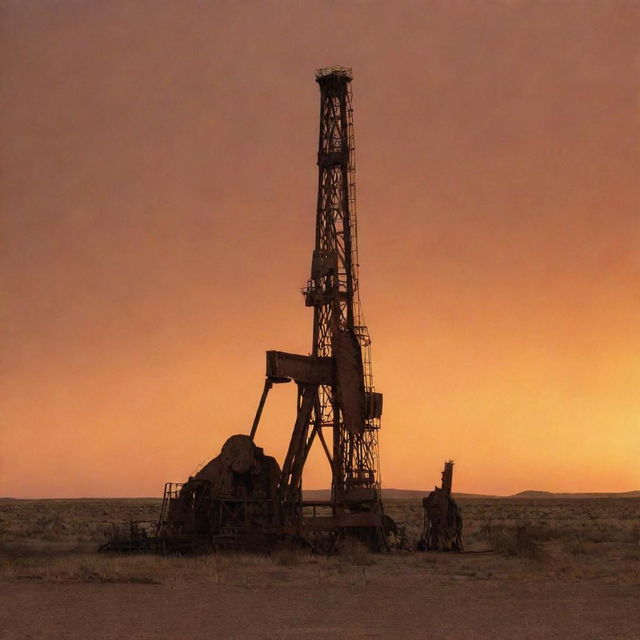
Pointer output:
x,y
158,199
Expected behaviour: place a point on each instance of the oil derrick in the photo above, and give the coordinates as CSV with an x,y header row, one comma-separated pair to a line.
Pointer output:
x,y
242,499
335,383
349,406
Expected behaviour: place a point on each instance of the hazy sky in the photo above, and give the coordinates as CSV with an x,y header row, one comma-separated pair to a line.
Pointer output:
x,y
158,200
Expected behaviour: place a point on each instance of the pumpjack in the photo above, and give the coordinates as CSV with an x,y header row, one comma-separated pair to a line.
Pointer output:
x,y
242,499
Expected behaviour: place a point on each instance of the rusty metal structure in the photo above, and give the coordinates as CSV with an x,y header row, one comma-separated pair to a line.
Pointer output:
x,y
442,517
231,503
336,395
242,499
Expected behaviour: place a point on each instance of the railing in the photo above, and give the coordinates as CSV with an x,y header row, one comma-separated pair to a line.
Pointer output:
x,y
336,70
171,491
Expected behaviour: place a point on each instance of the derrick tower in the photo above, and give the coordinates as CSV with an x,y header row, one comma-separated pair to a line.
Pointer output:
x,y
336,399
338,325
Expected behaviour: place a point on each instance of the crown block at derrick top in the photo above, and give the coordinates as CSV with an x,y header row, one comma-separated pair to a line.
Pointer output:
x,y
337,72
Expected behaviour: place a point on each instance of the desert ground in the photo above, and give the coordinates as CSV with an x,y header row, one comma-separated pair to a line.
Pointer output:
x,y
544,568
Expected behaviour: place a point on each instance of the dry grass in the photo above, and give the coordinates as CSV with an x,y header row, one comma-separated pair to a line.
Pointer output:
x,y
356,553
70,521
56,540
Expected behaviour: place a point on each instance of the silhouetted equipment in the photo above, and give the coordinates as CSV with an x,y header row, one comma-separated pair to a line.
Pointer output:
x,y
334,383
242,499
231,503
442,518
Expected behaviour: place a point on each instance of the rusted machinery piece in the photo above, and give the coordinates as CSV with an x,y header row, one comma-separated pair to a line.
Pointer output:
x,y
442,517
231,503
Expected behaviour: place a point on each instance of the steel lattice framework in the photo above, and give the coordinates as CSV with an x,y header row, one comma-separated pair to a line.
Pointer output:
x,y
335,382
335,295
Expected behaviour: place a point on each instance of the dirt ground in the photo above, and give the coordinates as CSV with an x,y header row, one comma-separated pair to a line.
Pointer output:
x,y
536,569
386,608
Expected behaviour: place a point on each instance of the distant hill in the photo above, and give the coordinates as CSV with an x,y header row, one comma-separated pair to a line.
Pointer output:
x,y
412,494
564,496
405,494
416,494
391,494
533,494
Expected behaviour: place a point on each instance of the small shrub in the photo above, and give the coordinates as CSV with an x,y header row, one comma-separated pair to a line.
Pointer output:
x,y
595,536
576,546
634,554
522,541
287,557
353,551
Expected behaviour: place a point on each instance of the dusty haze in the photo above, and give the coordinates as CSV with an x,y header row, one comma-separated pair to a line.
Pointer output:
x,y
158,201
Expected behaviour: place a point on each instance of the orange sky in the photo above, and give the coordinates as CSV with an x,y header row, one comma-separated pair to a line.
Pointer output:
x,y
158,200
